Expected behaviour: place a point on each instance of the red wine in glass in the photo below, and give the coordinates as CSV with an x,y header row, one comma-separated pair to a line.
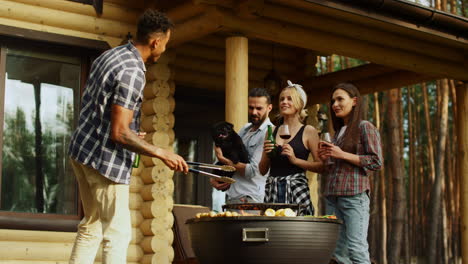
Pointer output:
x,y
284,132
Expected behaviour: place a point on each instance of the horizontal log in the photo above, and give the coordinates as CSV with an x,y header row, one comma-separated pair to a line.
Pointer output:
x,y
158,71
361,32
63,19
172,104
165,58
401,28
158,258
328,80
138,4
134,253
135,201
161,123
184,11
158,138
156,172
16,261
217,68
282,54
150,191
205,24
272,30
136,183
172,87
158,105
113,41
136,218
137,236
149,227
158,242
43,251
147,192
137,171
160,207
157,87
150,162
204,53
200,80
391,80
171,134
112,11
37,236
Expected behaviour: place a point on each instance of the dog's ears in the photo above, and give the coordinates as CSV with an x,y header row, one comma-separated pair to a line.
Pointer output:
x,y
230,125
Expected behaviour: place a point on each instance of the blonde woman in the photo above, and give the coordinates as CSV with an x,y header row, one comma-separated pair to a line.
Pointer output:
x,y
287,159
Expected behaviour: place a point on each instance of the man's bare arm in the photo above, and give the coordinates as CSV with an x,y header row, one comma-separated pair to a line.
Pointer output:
x,y
121,133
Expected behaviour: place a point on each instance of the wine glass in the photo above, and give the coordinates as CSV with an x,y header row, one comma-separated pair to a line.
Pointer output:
x,y
325,137
283,132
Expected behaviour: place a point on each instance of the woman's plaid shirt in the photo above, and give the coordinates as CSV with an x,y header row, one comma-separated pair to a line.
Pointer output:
x,y
344,178
117,77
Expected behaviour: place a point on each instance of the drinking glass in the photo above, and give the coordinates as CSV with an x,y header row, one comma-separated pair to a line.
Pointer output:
x,y
283,132
325,137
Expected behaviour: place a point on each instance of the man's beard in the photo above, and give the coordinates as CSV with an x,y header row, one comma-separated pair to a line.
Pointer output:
x,y
257,122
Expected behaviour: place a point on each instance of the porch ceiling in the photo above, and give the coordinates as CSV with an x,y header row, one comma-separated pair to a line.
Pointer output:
x,y
413,53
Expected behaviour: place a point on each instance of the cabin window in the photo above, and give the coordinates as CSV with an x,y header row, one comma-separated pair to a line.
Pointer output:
x,y
38,117
40,87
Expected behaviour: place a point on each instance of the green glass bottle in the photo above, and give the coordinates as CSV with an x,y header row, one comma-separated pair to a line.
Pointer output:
x,y
271,138
136,162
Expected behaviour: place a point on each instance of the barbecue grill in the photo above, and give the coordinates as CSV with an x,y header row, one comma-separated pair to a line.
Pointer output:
x,y
263,240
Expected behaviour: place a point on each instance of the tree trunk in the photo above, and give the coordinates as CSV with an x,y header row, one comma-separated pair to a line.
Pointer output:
x,y
381,195
430,148
435,200
463,12
330,64
411,172
38,149
399,192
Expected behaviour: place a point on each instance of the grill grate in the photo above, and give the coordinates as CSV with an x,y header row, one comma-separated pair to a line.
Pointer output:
x,y
260,206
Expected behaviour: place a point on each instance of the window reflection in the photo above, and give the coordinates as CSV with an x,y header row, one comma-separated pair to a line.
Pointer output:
x,y
39,108
185,185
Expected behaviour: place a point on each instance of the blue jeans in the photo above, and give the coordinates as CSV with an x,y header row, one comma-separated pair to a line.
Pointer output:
x,y
352,246
281,192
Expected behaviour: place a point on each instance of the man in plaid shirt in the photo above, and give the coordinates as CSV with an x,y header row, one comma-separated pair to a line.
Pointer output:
x,y
103,145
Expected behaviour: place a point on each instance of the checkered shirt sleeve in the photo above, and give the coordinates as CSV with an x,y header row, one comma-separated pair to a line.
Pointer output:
x,y
344,178
116,77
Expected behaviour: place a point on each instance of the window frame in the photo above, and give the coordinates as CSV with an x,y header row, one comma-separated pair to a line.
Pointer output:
x,y
87,50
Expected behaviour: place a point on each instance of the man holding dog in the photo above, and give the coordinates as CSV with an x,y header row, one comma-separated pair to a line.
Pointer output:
x,y
250,184
102,146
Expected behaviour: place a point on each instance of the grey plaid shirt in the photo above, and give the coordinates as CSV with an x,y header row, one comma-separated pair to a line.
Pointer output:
x,y
117,77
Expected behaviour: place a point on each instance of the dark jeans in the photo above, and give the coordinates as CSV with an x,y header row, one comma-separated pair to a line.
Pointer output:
x,y
281,192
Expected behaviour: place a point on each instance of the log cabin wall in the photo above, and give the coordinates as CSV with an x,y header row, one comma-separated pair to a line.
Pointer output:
x,y
157,180
73,19
78,20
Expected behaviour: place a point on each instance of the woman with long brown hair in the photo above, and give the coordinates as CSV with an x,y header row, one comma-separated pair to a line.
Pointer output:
x,y
355,153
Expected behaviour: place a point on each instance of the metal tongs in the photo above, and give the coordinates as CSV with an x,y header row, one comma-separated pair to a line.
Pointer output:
x,y
225,168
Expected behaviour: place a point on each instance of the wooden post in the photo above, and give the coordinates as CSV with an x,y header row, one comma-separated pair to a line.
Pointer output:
x,y
237,80
462,135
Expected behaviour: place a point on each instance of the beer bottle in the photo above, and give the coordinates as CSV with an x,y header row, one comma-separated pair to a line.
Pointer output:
x,y
136,162
271,138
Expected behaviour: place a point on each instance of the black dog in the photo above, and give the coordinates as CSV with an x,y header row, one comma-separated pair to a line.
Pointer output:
x,y
230,142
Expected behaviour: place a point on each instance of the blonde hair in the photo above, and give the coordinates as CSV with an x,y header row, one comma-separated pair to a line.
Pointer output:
x,y
297,101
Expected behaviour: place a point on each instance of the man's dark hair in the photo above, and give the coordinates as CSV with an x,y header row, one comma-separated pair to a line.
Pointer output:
x,y
150,22
260,92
